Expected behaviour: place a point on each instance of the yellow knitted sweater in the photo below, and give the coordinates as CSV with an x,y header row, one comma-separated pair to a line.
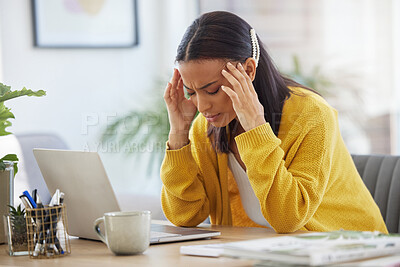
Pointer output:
x,y
304,179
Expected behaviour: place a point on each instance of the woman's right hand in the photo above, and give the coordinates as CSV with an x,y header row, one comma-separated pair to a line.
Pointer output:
x,y
181,112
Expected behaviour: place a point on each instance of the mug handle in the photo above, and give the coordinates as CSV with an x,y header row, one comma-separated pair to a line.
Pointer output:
x,y
97,222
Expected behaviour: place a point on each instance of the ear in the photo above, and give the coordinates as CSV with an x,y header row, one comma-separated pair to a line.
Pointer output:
x,y
250,67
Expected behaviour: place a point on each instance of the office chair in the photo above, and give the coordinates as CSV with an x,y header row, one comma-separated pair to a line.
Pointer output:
x,y
30,176
381,175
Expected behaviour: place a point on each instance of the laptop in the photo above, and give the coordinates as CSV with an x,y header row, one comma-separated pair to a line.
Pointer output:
x,y
89,194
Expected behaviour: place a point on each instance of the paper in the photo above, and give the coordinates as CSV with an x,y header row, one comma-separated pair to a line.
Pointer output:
x,y
308,249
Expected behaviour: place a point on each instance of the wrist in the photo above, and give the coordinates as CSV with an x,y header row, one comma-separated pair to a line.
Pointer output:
x,y
255,125
177,140
179,131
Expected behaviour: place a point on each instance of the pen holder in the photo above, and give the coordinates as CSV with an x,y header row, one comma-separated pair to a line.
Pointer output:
x,y
47,231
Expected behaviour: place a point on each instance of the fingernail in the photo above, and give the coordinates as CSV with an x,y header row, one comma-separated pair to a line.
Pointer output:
x,y
230,64
239,65
224,71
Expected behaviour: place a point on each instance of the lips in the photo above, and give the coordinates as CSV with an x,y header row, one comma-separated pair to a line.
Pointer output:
x,y
212,118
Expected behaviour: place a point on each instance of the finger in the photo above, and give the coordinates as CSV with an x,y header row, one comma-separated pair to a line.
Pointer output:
x,y
179,89
232,95
175,78
238,76
249,82
167,93
235,83
172,93
179,86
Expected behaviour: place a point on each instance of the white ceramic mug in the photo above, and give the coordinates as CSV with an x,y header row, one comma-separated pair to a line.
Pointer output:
x,y
126,233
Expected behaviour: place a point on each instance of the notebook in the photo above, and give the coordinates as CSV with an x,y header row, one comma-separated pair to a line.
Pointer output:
x,y
89,194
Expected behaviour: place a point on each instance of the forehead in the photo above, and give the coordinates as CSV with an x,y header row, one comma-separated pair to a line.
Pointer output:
x,y
197,73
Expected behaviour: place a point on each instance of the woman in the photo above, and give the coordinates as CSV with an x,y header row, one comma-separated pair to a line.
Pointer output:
x,y
264,151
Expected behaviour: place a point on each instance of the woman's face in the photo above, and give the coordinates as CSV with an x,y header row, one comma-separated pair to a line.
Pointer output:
x,y
202,82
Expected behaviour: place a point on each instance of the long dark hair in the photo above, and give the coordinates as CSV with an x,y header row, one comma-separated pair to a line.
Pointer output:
x,y
223,35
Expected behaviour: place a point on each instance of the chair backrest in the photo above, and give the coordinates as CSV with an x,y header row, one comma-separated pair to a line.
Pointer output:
x,y
381,175
29,168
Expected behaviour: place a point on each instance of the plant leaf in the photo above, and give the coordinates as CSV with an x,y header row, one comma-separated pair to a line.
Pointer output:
x,y
2,166
16,211
5,114
12,208
296,63
142,130
7,94
315,80
4,89
9,157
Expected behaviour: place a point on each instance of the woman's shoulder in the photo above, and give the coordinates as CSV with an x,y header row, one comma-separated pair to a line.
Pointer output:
x,y
307,108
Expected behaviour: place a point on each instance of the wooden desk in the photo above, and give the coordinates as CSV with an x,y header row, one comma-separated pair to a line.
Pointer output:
x,y
93,253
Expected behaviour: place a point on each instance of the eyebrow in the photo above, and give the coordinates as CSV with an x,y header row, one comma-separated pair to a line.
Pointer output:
x,y
203,87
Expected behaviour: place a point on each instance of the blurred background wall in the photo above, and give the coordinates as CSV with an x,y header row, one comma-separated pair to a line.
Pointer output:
x,y
88,88
346,49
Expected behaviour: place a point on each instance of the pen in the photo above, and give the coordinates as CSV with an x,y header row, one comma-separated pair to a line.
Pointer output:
x,y
39,212
48,231
34,195
47,241
56,241
26,193
55,200
39,205
28,205
41,231
25,201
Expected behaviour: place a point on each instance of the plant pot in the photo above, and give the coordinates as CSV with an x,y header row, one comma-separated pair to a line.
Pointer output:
x,y
16,234
6,195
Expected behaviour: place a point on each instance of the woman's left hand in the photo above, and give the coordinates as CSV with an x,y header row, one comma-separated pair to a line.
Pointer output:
x,y
244,98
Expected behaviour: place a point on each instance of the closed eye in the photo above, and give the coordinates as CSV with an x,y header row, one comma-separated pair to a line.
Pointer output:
x,y
188,95
213,93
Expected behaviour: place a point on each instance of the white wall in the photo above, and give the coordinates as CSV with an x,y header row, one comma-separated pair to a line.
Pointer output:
x,y
85,87
396,74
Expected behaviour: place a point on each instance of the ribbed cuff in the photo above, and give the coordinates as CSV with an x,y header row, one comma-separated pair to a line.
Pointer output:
x,y
260,135
178,156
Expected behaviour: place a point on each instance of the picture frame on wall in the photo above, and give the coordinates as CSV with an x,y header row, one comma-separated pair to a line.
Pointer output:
x,y
85,23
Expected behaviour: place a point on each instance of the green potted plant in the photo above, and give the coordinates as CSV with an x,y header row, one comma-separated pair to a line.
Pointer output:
x,y
8,163
315,80
6,114
142,130
16,231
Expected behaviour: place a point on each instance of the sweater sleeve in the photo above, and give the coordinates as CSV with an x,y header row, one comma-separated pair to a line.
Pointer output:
x,y
183,196
290,192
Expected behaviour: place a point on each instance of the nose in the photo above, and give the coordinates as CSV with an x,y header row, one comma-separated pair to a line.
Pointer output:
x,y
203,104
